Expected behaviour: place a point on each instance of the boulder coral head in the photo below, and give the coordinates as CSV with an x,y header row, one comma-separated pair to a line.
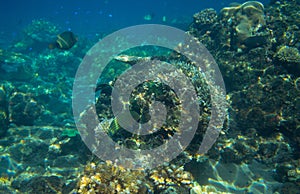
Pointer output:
x,y
246,19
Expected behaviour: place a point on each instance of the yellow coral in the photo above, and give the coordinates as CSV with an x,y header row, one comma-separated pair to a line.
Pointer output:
x,y
170,175
107,177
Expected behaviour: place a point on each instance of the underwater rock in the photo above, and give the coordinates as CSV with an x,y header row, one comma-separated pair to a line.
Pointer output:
x,y
12,57
31,164
15,66
198,189
167,176
36,36
41,30
289,58
23,109
41,184
3,111
205,17
283,19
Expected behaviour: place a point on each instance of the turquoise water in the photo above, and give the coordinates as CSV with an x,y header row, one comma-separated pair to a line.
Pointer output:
x,y
216,83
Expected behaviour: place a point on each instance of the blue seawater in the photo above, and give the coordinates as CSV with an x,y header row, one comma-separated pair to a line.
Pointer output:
x,y
100,17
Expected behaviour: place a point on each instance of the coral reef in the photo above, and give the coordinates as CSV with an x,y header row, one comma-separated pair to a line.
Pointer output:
x,y
23,109
198,189
203,21
41,30
289,58
39,159
143,95
106,177
15,66
283,19
245,23
169,176
262,84
36,36
257,49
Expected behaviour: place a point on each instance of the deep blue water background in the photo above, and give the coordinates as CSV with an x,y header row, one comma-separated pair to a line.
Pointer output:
x,y
100,17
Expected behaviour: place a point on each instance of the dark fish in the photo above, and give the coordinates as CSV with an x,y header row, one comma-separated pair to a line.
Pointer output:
x,y
64,41
255,41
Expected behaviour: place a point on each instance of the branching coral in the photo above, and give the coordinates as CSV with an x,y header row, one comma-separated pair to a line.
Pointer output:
x,y
171,175
108,178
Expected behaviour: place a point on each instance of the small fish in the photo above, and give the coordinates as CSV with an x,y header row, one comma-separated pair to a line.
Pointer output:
x,y
108,126
64,41
131,59
149,17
